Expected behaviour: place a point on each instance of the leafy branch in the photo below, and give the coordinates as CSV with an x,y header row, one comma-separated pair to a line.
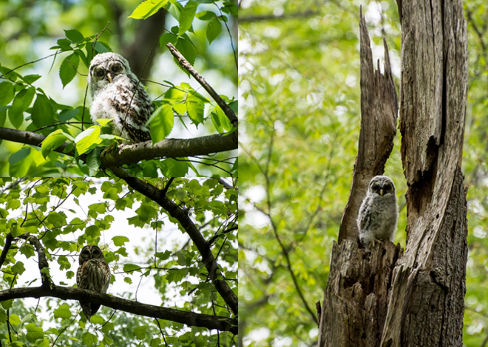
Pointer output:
x,y
183,218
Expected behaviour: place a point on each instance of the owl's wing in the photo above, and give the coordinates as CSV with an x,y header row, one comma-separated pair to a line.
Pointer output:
x,y
134,108
365,215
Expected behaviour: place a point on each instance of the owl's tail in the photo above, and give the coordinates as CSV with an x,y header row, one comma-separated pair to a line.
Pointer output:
x,y
89,309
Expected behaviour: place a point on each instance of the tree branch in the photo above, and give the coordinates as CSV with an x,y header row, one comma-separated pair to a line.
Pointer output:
x,y
65,293
127,154
271,17
183,218
188,67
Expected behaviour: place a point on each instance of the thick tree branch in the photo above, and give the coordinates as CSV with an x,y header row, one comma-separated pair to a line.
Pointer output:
x,y
65,293
185,221
188,67
127,154
42,261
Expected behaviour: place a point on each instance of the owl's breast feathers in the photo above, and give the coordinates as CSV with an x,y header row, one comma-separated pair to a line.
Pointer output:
x,y
126,102
94,274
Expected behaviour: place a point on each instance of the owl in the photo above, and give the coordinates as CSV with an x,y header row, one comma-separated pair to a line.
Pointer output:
x,y
119,95
378,213
93,274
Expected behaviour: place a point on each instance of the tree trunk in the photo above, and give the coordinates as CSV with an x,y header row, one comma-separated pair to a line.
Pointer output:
x,y
415,299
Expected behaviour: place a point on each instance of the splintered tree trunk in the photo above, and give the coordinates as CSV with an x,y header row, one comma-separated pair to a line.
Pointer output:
x,y
387,298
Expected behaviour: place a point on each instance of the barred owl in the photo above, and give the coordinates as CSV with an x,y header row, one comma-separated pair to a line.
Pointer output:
x,y
119,95
93,274
378,213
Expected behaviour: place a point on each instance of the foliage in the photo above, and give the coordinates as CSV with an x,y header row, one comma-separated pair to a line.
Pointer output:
x,y
151,253
27,101
299,83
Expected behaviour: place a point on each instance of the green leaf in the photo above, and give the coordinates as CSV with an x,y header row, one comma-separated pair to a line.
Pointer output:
x,y
206,15
29,79
23,100
220,120
68,68
167,37
19,155
18,268
140,331
187,15
101,47
186,47
64,44
63,311
74,35
147,8
52,141
6,93
131,267
119,240
161,122
89,339
3,115
214,28
174,168
195,108
42,111
33,332
88,139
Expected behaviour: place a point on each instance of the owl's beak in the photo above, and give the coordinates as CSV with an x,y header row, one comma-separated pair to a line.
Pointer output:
x,y
109,76
382,191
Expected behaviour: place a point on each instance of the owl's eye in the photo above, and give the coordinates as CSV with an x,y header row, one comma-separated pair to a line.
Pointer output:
x,y
376,186
96,251
99,72
116,68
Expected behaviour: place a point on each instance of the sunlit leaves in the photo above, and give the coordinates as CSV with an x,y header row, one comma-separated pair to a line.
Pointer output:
x,y
214,28
147,8
63,311
88,139
52,141
119,240
74,35
186,16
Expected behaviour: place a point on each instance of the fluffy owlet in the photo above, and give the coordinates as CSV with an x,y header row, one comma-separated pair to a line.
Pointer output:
x,y
93,274
118,94
378,213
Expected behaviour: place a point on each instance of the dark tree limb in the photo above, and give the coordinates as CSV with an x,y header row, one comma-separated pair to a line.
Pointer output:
x,y
188,67
379,109
42,261
65,293
181,215
127,154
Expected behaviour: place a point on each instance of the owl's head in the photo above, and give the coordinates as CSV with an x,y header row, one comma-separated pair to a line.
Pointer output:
x,y
381,185
90,252
106,67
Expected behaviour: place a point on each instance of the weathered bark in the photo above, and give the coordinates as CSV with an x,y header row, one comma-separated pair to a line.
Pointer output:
x,y
356,295
379,109
417,299
427,296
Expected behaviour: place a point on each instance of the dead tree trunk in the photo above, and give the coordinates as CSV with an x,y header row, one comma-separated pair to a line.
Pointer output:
x,y
416,298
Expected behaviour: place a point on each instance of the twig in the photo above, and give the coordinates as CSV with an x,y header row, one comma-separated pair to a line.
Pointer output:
x,y
162,333
188,67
